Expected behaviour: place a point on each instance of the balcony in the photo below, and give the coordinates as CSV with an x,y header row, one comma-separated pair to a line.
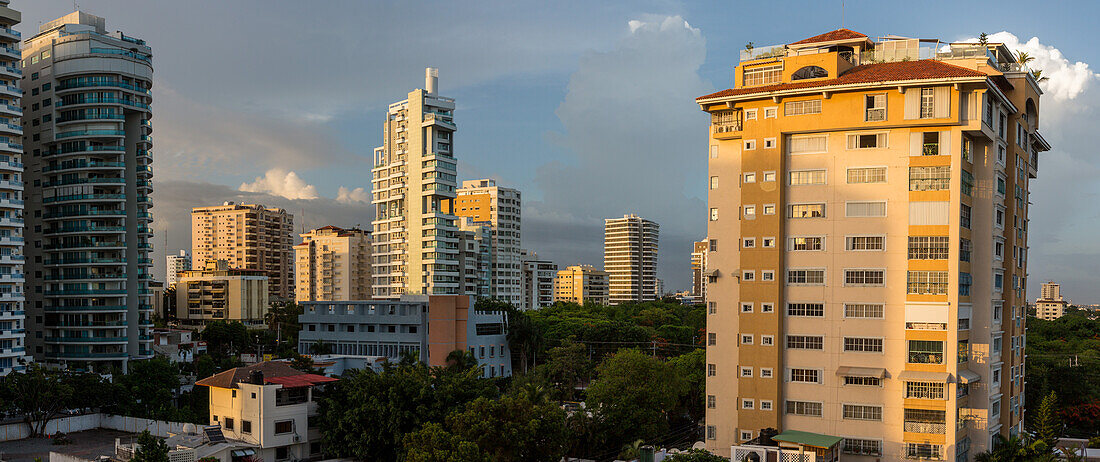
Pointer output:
x,y
91,133
768,52
937,428
82,165
725,123
73,84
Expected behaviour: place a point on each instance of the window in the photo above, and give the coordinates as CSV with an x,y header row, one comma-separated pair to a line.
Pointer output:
x,y
924,390
927,103
862,447
931,144
750,211
765,372
762,75
712,401
228,423
769,242
284,426
999,217
805,375
807,177
746,339
748,242
750,114
770,112
865,209
746,307
998,249
767,340
862,381
810,72
865,175
769,209
750,145
923,451
805,243
998,282
767,307
927,282
746,435
714,152
967,183
712,432
246,427
925,352
714,214
748,276
928,247
750,177
712,307
713,182
964,350
964,216
767,275
863,345
769,176
282,453
875,108
793,108
806,408
747,403
712,370
814,310
806,211
867,141
769,143
746,371
862,412
863,310
964,249
864,277
862,243
929,178
765,405
805,342
806,276
808,144
712,338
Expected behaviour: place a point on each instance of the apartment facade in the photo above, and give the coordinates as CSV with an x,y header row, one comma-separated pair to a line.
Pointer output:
x,y
499,207
867,225
699,270
475,256
538,281
333,263
580,284
1050,305
430,327
174,265
415,247
87,131
248,236
630,259
218,292
13,346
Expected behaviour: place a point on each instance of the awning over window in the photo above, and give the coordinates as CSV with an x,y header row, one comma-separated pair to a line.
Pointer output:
x,y
848,371
968,377
242,452
920,376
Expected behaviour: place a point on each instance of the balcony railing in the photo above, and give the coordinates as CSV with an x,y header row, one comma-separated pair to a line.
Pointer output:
x,y
771,51
930,149
938,428
876,114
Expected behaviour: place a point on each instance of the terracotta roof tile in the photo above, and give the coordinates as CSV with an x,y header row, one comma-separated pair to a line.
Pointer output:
x,y
839,34
869,73
230,378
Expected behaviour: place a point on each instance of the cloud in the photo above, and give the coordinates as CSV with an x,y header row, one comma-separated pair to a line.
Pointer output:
x,y
638,145
349,196
279,182
1065,80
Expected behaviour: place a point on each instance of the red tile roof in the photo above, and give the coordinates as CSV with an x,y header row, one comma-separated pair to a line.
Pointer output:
x,y
869,73
304,380
271,369
839,34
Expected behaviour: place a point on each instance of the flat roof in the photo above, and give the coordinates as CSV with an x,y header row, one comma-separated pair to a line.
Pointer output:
x,y
816,440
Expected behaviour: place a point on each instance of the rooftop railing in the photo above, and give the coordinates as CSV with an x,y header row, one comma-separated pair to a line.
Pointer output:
x,y
770,51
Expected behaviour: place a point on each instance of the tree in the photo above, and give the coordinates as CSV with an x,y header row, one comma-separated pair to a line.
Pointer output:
x,y
983,39
434,444
520,427
227,338
150,449
695,455
567,368
691,367
525,339
38,393
320,348
632,396
1047,428
149,389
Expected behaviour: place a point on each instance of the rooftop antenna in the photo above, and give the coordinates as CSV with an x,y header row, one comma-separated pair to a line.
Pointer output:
x,y
841,14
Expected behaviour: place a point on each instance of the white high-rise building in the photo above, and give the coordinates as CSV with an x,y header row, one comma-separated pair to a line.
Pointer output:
x,y
176,264
12,320
415,245
499,208
630,258
89,132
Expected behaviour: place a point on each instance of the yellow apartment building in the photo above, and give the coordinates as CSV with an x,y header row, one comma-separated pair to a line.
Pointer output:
x,y
218,292
248,236
867,255
333,263
630,259
1050,305
581,283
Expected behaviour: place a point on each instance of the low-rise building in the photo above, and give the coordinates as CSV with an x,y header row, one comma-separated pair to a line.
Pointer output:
x,y
220,293
267,405
178,345
581,283
430,327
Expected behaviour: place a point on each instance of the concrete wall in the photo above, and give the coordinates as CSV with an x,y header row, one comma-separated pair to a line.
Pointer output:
x,y
20,430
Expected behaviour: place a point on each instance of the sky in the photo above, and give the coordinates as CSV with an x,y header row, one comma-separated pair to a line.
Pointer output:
x,y
586,107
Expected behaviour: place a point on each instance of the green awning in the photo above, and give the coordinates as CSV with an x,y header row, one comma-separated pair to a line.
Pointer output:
x,y
816,440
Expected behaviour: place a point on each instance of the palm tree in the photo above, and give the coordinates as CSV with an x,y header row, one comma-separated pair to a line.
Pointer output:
x,y
320,348
461,360
1024,57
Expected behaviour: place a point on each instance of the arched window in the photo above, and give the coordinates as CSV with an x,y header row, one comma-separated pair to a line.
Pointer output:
x,y
809,72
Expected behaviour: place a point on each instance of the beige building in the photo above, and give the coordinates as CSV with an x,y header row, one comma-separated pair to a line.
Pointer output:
x,y
499,208
413,190
867,258
630,259
89,179
1050,305
268,407
333,264
248,236
218,292
580,284
699,270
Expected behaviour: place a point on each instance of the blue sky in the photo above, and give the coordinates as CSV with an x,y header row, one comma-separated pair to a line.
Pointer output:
x,y
281,102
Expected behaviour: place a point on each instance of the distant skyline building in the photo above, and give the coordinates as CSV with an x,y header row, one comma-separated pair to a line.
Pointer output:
x,y
630,259
333,263
175,264
580,284
218,292
13,346
414,231
499,207
868,224
699,270
538,281
1050,305
87,130
248,236
475,244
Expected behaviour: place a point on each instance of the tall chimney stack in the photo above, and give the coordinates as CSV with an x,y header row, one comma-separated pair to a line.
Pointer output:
x,y
431,79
